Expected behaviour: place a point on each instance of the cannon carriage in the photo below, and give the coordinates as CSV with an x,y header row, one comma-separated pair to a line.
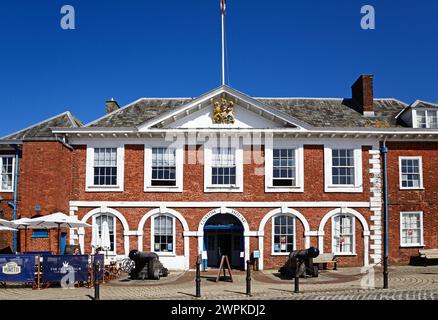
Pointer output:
x,y
144,265
301,262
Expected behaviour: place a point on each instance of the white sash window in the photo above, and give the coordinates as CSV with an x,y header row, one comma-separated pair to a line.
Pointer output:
x,y
343,239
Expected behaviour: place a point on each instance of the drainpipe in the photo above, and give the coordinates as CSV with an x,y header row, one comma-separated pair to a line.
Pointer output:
x,y
15,195
384,151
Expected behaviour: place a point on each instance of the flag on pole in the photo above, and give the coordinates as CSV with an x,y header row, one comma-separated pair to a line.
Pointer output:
x,y
223,6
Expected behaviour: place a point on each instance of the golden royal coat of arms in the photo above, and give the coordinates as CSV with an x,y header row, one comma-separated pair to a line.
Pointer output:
x,y
224,112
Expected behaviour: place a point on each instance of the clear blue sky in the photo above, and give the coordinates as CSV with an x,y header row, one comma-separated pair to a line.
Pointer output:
x,y
171,48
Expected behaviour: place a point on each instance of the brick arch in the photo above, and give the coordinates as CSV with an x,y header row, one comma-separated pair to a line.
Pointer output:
x,y
169,212
281,211
354,213
109,211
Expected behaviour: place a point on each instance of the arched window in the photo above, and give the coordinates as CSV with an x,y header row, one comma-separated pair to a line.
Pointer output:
x,y
343,240
110,219
283,234
163,234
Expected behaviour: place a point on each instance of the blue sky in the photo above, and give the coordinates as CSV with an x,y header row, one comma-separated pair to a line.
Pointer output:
x,y
171,48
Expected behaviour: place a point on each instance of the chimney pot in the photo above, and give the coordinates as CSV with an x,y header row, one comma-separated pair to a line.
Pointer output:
x,y
363,95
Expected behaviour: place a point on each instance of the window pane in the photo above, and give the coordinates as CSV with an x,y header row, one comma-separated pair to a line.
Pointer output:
x,y
163,234
410,173
283,235
343,234
343,166
283,169
105,166
223,170
6,173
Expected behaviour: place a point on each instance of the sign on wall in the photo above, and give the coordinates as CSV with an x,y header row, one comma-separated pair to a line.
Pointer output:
x,y
56,268
17,268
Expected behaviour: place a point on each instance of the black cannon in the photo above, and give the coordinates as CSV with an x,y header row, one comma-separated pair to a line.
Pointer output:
x,y
301,261
146,265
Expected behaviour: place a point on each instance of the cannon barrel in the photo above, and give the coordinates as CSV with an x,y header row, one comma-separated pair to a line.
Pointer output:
x,y
301,262
138,255
312,252
147,266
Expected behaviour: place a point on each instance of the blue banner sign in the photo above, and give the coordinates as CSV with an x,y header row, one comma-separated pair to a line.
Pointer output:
x,y
17,268
56,268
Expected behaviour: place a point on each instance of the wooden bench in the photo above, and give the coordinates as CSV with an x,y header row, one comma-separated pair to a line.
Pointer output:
x,y
325,260
428,254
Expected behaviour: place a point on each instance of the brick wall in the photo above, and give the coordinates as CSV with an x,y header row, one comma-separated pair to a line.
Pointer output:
x,y
45,179
412,200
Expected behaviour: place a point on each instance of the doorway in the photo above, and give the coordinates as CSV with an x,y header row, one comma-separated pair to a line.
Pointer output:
x,y
223,235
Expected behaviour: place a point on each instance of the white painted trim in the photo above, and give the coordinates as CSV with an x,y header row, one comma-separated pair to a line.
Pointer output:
x,y
299,165
179,161
93,219
272,213
358,174
224,210
214,204
177,215
208,151
426,110
246,100
412,245
273,253
89,179
97,211
420,164
13,173
353,244
359,216
167,254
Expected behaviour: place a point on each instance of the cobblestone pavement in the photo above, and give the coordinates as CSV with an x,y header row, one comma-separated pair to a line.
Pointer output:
x,y
409,283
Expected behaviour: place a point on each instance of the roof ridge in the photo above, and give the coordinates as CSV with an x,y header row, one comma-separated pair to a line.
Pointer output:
x,y
36,124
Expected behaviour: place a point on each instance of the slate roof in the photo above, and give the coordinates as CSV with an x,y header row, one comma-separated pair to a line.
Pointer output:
x,y
139,112
314,111
43,128
337,113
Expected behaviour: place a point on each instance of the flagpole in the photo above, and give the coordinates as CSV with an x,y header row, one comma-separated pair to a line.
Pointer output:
x,y
223,47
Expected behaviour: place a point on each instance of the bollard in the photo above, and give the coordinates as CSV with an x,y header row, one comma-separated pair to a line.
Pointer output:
x,y
248,278
96,280
198,276
297,276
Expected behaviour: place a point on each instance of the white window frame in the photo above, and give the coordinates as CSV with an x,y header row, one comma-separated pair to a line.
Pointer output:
x,y
208,186
414,118
273,252
358,178
163,254
299,166
110,253
179,162
420,165
89,184
353,244
412,245
13,173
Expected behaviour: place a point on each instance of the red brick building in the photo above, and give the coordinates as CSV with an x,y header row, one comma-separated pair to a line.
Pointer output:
x,y
225,173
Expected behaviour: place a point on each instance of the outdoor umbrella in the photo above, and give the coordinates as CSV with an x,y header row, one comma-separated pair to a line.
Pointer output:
x,y
105,240
57,220
95,238
23,223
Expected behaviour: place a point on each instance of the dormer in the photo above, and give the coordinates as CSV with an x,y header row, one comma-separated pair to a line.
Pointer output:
x,y
420,115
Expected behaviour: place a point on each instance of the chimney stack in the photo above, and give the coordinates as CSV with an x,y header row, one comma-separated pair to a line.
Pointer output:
x,y
363,95
111,106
